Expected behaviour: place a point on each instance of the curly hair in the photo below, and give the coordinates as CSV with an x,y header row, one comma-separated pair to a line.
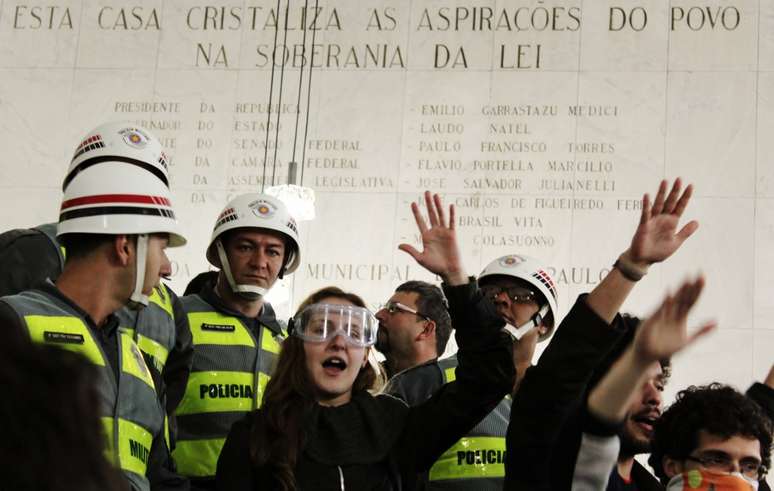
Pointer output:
x,y
715,408
277,430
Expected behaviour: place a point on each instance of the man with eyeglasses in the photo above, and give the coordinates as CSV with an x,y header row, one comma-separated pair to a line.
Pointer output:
x,y
414,327
406,339
712,437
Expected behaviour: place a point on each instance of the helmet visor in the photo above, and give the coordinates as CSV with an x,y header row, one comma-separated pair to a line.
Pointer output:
x,y
322,322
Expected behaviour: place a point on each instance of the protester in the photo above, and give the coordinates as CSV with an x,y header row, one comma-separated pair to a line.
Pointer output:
x,y
320,429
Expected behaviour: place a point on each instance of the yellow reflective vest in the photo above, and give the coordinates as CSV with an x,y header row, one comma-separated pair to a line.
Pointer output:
x,y
476,461
153,328
231,366
131,413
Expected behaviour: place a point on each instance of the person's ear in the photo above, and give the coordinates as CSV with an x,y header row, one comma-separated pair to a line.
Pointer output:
x,y
365,358
123,249
428,330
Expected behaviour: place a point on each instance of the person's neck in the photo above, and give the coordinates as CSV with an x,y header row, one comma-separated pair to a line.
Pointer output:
x,y
333,401
399,364
248,308
92,290
624,466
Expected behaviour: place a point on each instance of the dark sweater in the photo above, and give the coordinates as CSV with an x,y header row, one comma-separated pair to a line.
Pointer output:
x,y
551,393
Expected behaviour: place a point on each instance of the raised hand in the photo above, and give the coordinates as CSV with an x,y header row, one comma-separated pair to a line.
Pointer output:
x,y
656,237
665,332
440,254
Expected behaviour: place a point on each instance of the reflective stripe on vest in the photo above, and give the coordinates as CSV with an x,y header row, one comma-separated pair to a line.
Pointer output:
x,y
134,447
161,297
216,328
231,366
154,349
200,456
449,374
66,333
153,327
232,391
471,457
131,413
132,360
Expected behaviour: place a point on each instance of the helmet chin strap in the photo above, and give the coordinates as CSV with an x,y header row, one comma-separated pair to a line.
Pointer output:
x,y
248,292
534,321
139,300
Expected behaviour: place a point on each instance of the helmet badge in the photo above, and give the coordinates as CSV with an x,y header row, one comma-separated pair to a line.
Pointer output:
x,y
134,137
511,261
262,208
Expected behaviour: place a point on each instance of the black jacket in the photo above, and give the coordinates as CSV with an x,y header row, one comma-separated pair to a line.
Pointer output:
x,y
378,442
550,393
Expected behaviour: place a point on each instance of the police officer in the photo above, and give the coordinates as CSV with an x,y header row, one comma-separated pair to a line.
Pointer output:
x,y
235,333
115,222
29,256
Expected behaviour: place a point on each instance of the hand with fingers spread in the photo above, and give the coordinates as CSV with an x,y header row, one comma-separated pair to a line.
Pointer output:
x,y
665,332
440,254
656,238
659,337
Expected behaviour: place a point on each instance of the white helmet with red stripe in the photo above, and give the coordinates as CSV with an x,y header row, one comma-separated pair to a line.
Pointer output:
x,y
116,199
533,272
259,211
119,141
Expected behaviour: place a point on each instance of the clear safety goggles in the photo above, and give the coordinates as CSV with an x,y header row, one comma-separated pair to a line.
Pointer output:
x,y
323,321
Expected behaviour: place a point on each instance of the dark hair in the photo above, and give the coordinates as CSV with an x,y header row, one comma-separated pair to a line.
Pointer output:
x,y
432,303
52,434
277,434
79,246
717,409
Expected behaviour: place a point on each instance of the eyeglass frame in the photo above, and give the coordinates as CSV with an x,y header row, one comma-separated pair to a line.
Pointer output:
x,y
727,464
529,296
392,306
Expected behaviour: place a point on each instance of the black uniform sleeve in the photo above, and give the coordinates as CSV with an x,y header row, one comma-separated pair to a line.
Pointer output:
x,y
26,262
484,376
161,469
235,472
551,392
178,365
11,328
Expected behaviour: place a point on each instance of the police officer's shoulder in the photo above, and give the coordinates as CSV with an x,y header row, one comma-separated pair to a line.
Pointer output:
x,y
27,258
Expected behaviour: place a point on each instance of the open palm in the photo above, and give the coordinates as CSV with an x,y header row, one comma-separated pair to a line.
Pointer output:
x,y
665,332
657,237
440,254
